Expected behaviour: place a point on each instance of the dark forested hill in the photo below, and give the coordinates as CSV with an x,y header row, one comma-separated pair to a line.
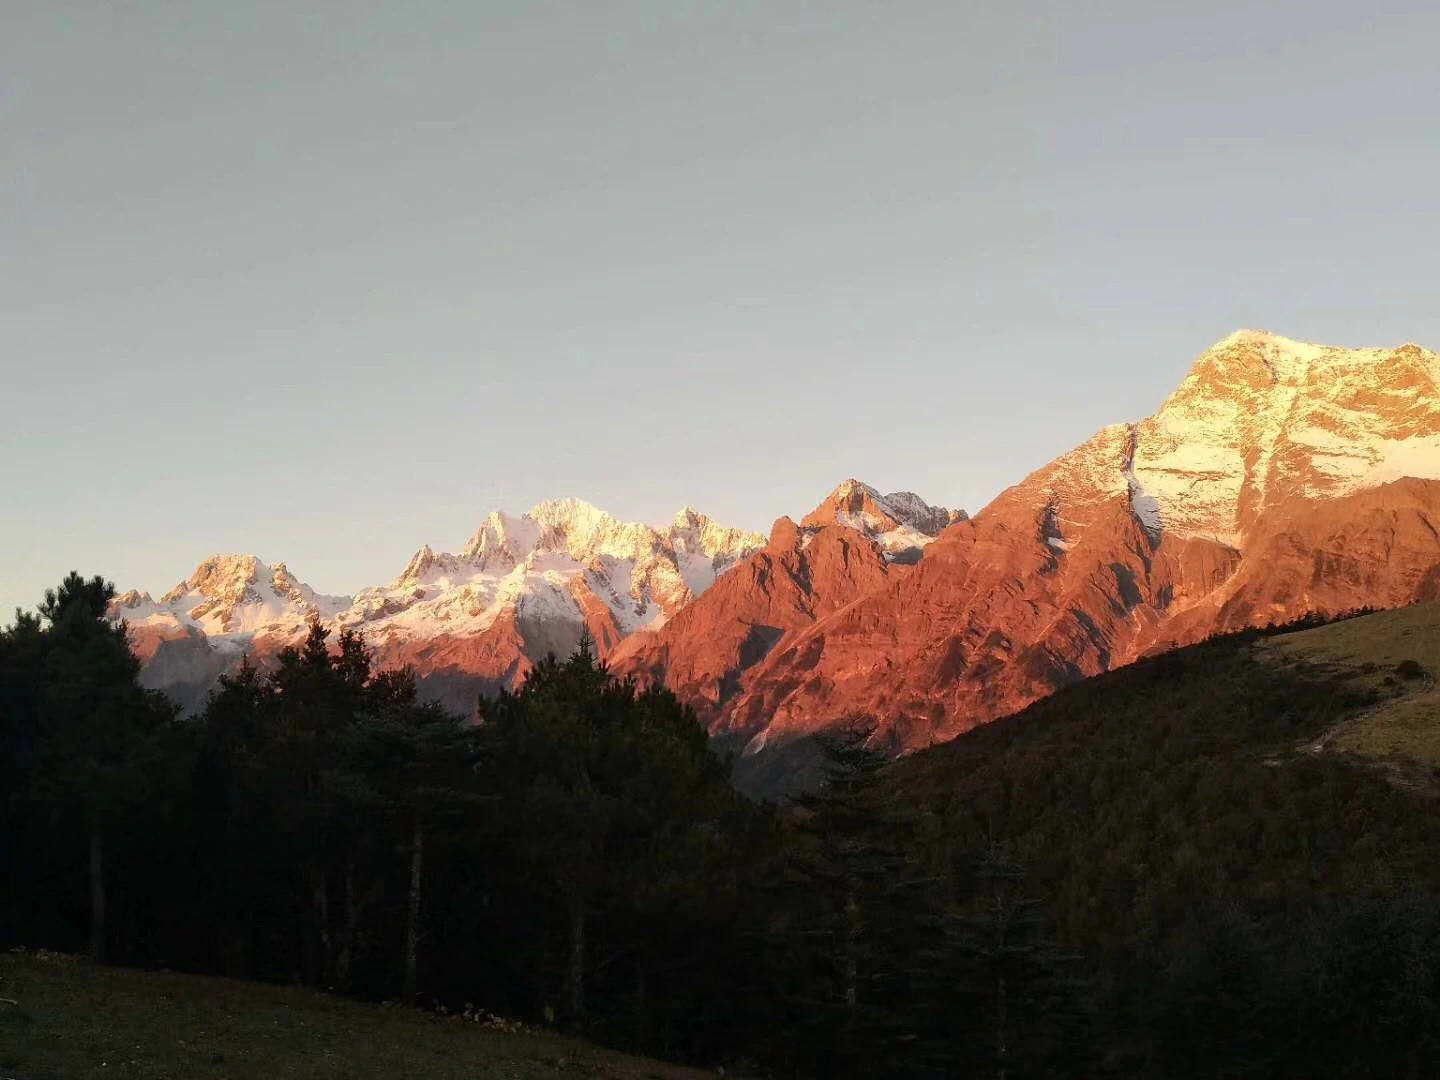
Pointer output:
x,y
1223,861
1243,833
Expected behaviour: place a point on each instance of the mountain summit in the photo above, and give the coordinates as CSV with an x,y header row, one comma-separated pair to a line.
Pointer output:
x,y
1258,421
232,594
1261,419
902,523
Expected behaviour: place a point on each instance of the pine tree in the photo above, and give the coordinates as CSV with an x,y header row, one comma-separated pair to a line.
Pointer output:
x,y
308,708
21,652
547,743
861,915
412,765
249,869
615,803
90,724
1022,1010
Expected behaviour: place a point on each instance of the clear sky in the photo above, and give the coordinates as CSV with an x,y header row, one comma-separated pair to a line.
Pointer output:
x,y
324,281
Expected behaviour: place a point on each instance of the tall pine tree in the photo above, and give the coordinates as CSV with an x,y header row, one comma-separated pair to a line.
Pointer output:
x,y
411,766
857,915
1020,1009
89,721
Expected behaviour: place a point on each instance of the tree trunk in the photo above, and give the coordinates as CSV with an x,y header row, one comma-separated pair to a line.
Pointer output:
x,y
322,962
852,949
642,1005
412,914
576,981
97,897
1002,1049
1002,1020
346,952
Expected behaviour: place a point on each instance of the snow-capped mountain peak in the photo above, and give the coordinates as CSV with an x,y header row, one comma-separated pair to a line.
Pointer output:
x,y
229,595
585,533
1259,418
696,533
901,522
220,576
501,540
424,565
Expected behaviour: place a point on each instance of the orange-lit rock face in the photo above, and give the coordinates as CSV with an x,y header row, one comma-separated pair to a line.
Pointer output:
x,y
1261,491
798,577
994,617
1278,479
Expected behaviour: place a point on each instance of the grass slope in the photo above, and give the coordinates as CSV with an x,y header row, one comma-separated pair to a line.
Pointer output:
x,y
75,1019
1393,655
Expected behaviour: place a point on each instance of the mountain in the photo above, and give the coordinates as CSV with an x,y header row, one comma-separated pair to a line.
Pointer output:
x,y
1279,478
472,621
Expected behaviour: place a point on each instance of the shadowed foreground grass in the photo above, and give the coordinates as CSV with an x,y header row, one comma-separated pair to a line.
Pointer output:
x,y
74,1019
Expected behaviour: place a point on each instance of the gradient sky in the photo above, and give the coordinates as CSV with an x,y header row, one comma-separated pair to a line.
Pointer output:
x,y
325,283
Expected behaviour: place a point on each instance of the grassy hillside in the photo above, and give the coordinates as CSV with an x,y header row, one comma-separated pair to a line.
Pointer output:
x,y
73,1019
1392,655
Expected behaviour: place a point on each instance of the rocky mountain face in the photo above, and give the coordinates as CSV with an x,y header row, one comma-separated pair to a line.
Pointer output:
x,y
854,543
1280,478
468,622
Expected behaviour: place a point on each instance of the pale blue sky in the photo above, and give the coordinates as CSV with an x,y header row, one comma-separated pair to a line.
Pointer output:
x,y
325,281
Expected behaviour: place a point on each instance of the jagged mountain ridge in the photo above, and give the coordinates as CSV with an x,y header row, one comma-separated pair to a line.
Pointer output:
x,y
533,582
1279,478
475,620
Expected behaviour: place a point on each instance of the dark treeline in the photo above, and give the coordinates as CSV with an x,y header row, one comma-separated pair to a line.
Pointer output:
x,y
1124,889
577,857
